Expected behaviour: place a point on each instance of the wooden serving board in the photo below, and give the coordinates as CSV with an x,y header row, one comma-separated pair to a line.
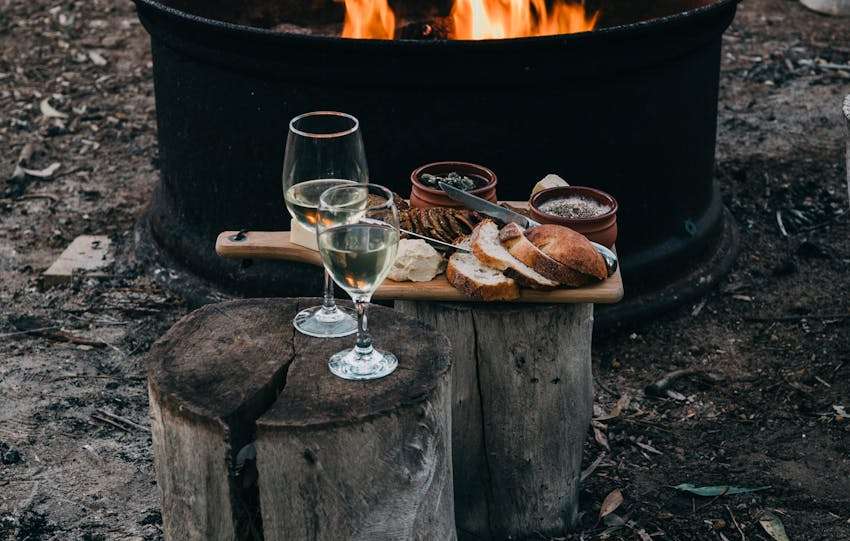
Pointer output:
x,y
276,245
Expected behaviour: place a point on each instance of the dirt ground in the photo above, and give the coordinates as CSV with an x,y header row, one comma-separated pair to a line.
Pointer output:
x,y
772,342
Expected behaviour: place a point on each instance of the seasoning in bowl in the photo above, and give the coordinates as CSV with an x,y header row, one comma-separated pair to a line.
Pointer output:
x,y
456,180
575,207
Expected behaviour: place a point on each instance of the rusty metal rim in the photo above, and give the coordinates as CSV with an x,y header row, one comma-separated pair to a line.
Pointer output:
x,y
665,22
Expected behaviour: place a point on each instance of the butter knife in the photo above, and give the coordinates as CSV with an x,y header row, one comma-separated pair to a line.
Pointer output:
x,y
493,210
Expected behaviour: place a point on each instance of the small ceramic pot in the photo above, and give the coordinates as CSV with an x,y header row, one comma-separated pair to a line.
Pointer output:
x,y
426,196
601,229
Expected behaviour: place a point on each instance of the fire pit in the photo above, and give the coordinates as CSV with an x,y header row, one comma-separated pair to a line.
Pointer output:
x,y
630,107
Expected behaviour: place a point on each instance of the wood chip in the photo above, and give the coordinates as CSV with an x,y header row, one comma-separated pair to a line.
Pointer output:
x,y
87,253
47,172
49,111
97,58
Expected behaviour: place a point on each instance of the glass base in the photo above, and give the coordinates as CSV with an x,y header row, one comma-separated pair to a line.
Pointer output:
x,y
320,323
347,364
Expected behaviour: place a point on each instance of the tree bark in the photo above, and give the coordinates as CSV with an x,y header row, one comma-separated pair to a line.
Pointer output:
x,y
255,438
521,406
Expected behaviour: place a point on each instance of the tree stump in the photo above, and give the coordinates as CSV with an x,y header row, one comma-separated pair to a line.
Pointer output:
x,y
521,405
254,438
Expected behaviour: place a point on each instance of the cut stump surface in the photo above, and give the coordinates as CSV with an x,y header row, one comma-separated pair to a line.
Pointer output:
x,y
252,434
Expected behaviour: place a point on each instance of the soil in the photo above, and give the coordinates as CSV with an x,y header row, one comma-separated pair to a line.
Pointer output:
x,y
772,341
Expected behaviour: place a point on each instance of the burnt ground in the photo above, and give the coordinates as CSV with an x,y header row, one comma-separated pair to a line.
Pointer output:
x,y
773,341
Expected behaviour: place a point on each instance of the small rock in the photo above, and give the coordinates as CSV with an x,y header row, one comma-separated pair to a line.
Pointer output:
x,y
9,455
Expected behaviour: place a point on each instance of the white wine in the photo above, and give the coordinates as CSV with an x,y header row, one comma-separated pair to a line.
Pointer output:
x,y
359,256
302,199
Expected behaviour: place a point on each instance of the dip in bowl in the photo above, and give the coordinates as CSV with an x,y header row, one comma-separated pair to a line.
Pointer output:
x,y
591,212
469,177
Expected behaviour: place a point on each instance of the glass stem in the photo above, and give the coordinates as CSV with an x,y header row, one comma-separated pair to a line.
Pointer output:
x,y
363,346
329,304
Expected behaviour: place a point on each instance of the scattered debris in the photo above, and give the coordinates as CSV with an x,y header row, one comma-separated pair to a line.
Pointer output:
x,y
781,224
117,421
612,501
587,472
660,387
773,526
35,326
87,253
600,438
97,58
23,160
618,409
49,111
47,172
721,490
9,455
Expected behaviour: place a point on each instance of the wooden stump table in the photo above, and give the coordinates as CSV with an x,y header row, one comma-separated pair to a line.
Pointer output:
x,y
521,407
253,436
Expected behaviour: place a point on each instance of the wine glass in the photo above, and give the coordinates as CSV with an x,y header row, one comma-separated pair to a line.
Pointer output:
x,y
324,149
358,241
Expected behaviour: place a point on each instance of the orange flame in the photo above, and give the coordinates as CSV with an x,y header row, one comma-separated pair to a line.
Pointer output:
x,y
499,19
368,19
477,19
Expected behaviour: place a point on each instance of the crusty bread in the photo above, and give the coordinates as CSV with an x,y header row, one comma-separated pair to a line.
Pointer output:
x,y
513,238
570,248
474,279
489,250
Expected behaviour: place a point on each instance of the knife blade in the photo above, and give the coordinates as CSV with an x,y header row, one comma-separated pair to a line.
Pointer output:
x,y
439,243
486,207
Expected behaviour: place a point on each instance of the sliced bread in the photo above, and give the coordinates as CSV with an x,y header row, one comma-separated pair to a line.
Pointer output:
x,y
474,279
489,250
570,248
512,237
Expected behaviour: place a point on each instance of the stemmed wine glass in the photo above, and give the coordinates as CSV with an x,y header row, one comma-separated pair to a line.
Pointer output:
x,y
323,149
358,241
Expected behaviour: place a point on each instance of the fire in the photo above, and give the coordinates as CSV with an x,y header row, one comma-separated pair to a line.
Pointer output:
x,y
499,19
477,19
368,19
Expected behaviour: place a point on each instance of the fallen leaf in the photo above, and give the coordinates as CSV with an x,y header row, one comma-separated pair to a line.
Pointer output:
x,y
47,172
97,58
773,526
720,490
611,503
676,396
600,438
590,469
618,408
648,447
614,520
49,111
642,534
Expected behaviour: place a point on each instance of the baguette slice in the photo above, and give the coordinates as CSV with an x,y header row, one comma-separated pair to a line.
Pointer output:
x,y
489,250
513,238
474,279
570,248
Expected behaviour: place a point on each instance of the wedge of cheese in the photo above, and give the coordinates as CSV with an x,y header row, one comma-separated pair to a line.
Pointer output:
x,y
549,181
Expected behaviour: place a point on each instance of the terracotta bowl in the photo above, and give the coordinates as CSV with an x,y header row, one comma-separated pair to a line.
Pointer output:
x,y
425,196
601,229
